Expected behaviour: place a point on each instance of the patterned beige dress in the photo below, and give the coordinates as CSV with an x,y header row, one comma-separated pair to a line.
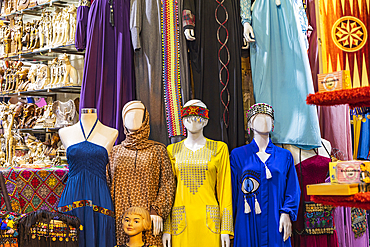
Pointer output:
x,y
140,175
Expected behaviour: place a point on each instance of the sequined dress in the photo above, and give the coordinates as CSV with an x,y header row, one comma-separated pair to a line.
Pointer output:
x,y
86,194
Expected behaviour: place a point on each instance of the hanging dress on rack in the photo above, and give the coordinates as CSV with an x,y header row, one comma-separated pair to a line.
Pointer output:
x,y
314,171
108,78
86,194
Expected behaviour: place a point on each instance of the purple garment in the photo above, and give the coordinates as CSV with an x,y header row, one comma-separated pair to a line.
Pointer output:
x,y
108,78
335,127
346,237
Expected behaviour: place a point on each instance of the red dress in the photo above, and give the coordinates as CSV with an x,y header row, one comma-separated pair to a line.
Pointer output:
x,y
314,171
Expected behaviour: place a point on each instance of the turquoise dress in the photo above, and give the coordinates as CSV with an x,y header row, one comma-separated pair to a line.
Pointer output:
x,y
86,194
280,70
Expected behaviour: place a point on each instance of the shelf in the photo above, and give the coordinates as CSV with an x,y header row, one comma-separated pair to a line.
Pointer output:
x,y
45,53
46,92
36,10
41,130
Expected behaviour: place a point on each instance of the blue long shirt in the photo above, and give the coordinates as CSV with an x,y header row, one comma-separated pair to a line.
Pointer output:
x,y
279,194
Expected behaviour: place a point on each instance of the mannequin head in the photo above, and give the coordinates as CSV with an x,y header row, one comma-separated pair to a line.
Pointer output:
x,y
132,115
260,118
194,115
136,220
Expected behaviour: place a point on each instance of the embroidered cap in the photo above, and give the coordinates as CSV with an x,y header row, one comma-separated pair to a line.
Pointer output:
x,y
194,110
260,108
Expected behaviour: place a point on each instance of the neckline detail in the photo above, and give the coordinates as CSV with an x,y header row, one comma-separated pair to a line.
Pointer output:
x,y
92,129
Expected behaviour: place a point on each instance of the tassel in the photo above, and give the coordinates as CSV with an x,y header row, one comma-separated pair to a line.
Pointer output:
x,y
257,207
268,173
247,208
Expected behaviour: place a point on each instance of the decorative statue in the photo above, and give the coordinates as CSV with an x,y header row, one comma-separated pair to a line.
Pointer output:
x,y
32,34
9,139
28,114
73,12
27,34
7,40
55,25
18,115
18,35
43,76
64,27
36,41
22,4
32,73
69,72
64,112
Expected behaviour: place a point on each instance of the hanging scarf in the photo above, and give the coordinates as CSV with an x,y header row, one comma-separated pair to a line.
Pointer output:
x,y
139,139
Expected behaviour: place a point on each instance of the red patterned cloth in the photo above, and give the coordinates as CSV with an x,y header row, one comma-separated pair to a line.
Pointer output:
x,y
33,189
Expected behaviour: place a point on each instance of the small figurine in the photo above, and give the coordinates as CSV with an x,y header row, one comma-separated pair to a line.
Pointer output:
x,y
73,19
70,73
135,221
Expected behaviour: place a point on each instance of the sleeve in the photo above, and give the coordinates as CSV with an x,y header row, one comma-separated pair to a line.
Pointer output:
x,y
81,26
234,181
135,23
167,224
166,193
245,11
292,192
188,17
224,191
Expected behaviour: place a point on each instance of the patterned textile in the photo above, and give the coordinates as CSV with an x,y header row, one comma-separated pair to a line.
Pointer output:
x,y
188,19
33,189
140,175
194,111
86,203
344,27
171,67
245,12
359,222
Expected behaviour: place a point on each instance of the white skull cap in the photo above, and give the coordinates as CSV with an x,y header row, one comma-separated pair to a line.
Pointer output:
x,y
135,104
195,102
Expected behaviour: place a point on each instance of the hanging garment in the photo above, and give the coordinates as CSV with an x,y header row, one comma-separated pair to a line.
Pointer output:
x,y
314,171
108,77
140,175
146,39
343,224
281,72
215,66
202,209
86,194
258,199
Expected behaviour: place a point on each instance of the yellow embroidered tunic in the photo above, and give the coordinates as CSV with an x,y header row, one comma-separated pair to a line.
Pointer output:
x,y
203,202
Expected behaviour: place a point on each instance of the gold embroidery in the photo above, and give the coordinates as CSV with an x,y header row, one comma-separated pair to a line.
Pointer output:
x,y
193,165
213,218
227,221
178,220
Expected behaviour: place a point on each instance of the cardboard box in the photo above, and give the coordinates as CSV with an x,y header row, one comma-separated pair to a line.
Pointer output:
x,y
334,81
332,189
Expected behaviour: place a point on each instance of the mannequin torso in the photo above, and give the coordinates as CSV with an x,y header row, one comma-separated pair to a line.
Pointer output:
x,y
101,135
305,154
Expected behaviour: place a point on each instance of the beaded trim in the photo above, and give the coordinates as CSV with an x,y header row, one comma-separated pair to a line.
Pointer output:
x,y
260,108
194,111
86,203
86,3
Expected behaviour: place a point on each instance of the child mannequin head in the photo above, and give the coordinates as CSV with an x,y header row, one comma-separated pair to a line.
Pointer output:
x,y
135,221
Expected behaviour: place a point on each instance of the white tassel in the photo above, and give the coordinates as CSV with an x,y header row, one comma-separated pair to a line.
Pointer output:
x,y
268,173
247,208
257,207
